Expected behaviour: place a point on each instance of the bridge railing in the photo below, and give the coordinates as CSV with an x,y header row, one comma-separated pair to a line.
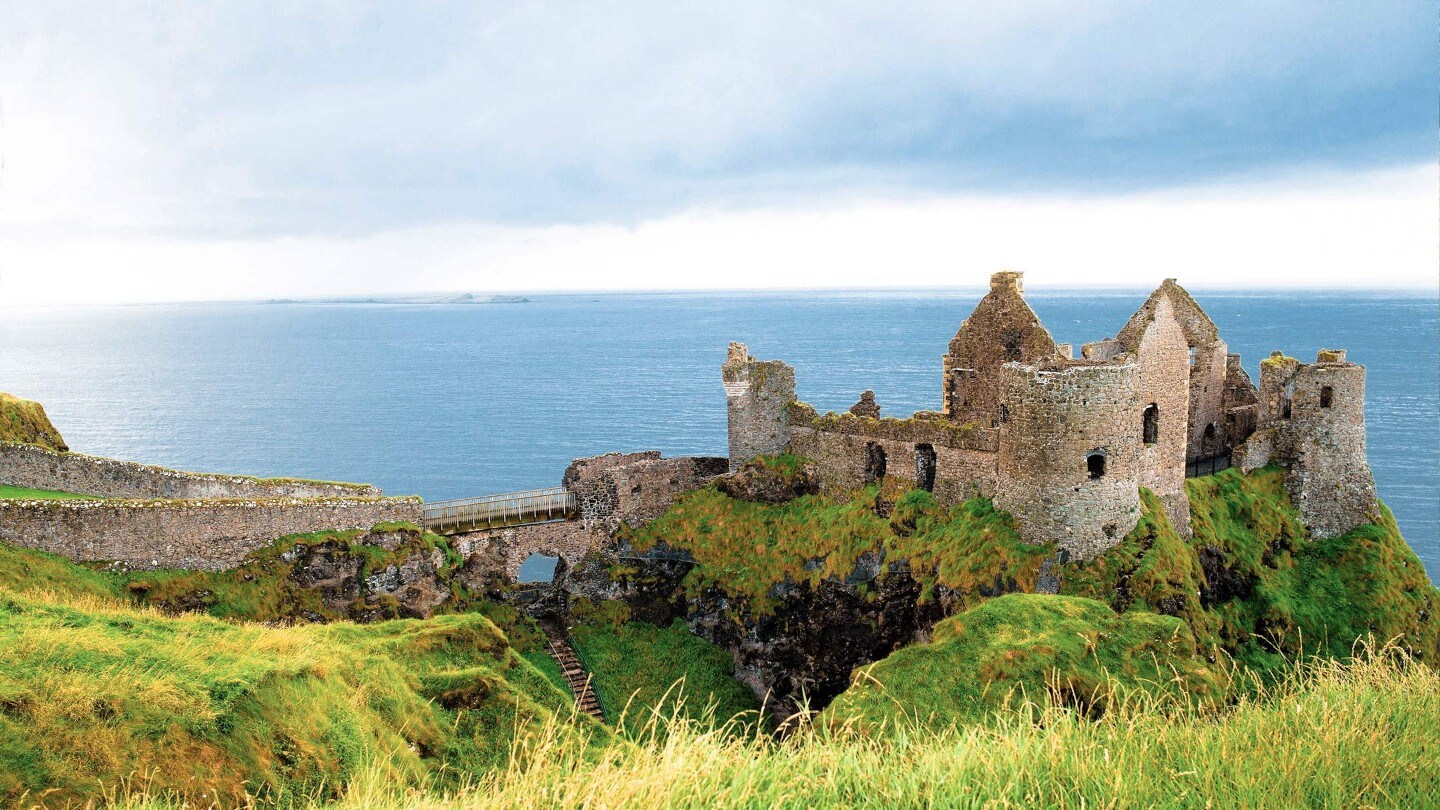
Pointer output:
x,y
498,511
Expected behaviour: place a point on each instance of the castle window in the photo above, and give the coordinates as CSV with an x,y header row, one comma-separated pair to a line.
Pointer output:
x,y
1285,408
1192,356
1327,396
1095,464
874,462
925,466
1150,424
1004,414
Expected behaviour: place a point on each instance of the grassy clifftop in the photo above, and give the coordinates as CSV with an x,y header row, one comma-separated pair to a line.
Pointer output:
x,y
22,420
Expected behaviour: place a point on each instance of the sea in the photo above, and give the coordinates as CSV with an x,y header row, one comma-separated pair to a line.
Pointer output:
x,y
459,400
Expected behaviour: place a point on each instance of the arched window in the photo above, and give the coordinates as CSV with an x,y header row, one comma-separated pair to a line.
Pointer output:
x,y
1150,424
874,462
1285,408
925,466
1095,465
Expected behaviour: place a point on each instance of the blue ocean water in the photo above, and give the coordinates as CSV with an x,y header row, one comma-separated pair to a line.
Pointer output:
x,y
456,400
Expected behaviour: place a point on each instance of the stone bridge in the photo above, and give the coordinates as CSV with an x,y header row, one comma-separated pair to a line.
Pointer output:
x,y
595,497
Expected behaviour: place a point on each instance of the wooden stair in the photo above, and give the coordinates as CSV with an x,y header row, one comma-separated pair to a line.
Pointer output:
x,y
576,676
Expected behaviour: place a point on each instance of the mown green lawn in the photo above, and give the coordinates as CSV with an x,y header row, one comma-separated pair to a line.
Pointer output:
x,y
9,493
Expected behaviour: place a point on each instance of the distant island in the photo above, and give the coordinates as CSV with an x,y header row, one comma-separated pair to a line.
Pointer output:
x,y
463,298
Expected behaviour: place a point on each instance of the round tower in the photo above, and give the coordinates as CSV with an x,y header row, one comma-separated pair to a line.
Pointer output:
x,y
1069,467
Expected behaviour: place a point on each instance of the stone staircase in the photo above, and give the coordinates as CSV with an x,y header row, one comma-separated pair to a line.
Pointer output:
x,y
576,676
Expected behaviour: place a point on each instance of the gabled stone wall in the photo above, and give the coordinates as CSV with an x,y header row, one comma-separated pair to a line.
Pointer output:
x,y
1001,329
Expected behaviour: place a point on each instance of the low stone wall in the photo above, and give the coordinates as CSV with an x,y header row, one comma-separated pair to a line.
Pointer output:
x,y
197,534
923,428
32,467
570,540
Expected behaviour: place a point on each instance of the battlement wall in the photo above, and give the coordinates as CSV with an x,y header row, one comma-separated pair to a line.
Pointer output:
x,y
33,467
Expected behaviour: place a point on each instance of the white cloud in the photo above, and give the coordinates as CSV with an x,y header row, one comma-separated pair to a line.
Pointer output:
x,y
1379,229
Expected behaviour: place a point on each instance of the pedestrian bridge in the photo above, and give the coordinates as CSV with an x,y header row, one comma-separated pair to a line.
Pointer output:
x,y
499,511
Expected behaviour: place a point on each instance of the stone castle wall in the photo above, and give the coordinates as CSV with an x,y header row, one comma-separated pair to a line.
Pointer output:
x,y
32,467
843,459
635,488
1056,420
197,534
1162,358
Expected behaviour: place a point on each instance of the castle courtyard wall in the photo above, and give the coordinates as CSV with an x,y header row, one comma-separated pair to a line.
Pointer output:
x,y
195,534
1163,382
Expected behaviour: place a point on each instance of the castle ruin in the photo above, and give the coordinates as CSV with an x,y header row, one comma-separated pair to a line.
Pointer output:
x,y
1064,444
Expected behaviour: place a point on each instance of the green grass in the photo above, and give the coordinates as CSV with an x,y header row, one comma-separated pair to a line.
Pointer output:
x,y
1293,595
746,548
94,694
1359,734
24,421
23,494
1038,650
645,674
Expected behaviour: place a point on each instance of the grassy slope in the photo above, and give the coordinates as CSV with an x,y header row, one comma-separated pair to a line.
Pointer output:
x,y
1288,593
93,693
1361,734
1030,648
22,420
646,673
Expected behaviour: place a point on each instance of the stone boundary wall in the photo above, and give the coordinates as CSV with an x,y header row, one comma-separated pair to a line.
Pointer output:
x,y
24,465
935,430
195,534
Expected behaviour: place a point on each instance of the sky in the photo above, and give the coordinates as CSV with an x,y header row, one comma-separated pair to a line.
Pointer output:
x,y
220,151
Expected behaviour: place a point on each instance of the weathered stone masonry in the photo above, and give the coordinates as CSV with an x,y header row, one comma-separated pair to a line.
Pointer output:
x,y
202,534
32,467
1064,444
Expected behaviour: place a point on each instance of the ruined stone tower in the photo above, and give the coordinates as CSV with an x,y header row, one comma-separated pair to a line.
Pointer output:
x,y
1312,421
1068,466
758,395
